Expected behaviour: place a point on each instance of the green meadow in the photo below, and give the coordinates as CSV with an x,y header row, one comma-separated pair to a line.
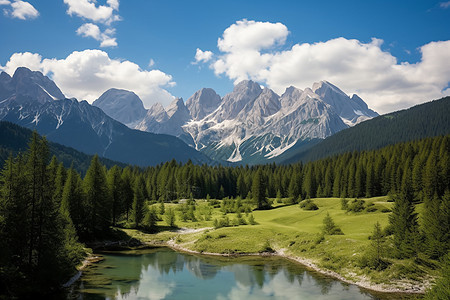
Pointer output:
x,y
297,233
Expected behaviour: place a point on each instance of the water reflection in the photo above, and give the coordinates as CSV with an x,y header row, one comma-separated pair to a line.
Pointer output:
x,y
165,274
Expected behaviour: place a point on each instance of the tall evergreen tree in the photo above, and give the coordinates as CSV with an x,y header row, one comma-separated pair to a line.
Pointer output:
x,y
96,195
404,220
259,190
115,192
74,199
139,206
435,225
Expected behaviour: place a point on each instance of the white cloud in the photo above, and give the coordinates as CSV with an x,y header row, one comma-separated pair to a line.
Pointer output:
x,y
89,10
444,4
87,74
151,63
202,56
101,14
93,31
20,10
248,51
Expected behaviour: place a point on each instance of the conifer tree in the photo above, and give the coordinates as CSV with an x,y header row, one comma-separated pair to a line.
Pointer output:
x,y
115,189
127,190
139,205
404,220
436,227
259,190
73,197
96,195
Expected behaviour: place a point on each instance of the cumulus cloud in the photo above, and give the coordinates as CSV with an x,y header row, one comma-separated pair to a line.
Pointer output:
x,y
250,50
87,74
93,31
444,4
19,9
100,14
202,56
88,9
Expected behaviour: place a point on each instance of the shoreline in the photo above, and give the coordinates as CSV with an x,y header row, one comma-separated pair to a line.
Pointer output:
x,y
406,287
310,264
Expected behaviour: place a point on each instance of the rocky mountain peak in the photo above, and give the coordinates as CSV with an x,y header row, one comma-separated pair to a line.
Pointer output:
x,y
122,105
27,85
202,103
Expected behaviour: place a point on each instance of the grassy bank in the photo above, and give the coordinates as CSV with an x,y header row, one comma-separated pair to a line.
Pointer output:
x,y
295,233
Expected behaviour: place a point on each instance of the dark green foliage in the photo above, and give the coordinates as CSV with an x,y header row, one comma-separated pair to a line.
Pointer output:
x,y
403,221
421,121
329,227
259,190
98,206
14,140
436,225
73,198
115,189
150,219
356,205
169,217
39,246
441,290
139,205
308,204
374,256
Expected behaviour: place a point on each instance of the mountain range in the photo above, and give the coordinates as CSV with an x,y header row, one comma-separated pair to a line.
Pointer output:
x,y
252,124
32,100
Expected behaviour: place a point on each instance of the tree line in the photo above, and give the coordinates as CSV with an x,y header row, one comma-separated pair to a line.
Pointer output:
x,y
46,210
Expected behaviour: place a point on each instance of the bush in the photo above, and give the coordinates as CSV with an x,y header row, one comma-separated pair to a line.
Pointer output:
x,y
356,206
371,209
308,204
222,222
344,204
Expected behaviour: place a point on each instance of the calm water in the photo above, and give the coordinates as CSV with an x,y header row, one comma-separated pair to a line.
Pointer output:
x,y
166,274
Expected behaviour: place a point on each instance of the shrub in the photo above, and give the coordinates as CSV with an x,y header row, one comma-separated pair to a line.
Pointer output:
x,y
344,204
356,206
371,209
308,204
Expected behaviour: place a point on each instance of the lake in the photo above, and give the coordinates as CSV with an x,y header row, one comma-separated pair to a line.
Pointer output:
x,y
166,274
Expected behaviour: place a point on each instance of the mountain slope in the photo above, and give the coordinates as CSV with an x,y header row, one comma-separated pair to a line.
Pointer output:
x,y
254,124
88,129
14,139
421,121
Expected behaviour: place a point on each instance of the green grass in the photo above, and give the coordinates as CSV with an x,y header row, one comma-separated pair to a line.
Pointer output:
x,y
298,233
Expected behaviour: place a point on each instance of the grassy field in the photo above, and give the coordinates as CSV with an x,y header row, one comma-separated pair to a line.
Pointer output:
x,y
298,233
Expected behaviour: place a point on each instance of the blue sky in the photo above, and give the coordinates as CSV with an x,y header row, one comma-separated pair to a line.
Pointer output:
x,y
306,41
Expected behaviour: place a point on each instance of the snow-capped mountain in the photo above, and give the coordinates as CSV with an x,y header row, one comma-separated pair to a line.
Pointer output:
x,y
166,121
253,124
121,105
31,103
25,85
202,103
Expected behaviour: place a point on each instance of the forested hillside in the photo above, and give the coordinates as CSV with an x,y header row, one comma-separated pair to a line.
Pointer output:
x,y
56,207
14,139
421,121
